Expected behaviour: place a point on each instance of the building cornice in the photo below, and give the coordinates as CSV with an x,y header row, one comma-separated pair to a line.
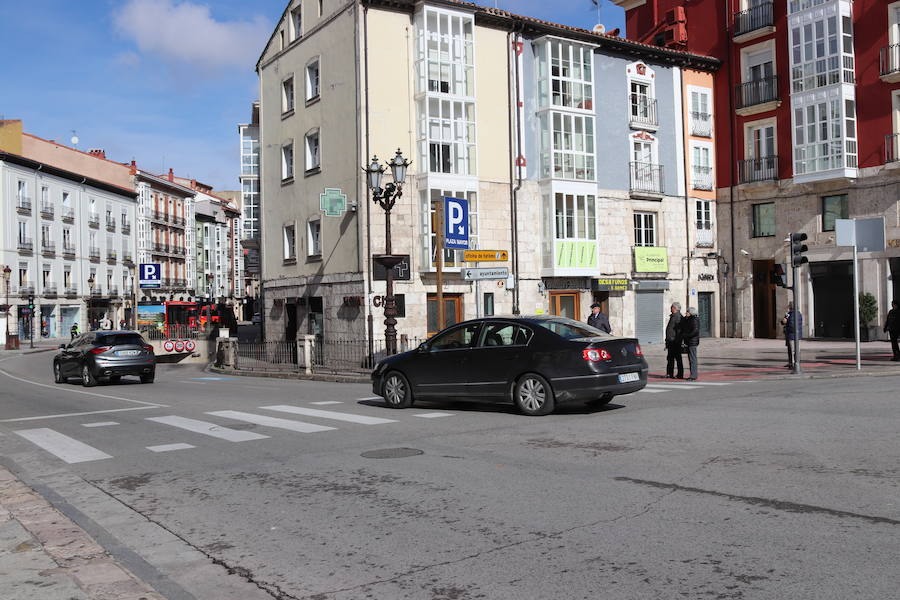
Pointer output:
x,y
70,175
160,181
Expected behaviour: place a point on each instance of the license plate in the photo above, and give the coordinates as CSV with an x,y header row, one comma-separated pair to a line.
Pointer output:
x,y
626,377
131,353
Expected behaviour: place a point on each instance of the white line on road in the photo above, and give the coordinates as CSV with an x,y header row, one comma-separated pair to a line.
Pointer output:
x,y
326,402
288,424
188,381
169,447
712,383
673,386
651,391
99,424
328,414
61,388
370,398
62,446
434,415
210,429
80,414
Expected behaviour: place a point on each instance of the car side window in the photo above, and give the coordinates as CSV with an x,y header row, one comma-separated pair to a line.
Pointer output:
x,y
460,337
498,334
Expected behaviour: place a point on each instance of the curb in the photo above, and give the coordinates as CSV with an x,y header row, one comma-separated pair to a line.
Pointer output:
x,y
329,378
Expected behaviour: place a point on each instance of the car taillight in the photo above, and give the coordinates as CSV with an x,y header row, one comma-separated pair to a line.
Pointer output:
x,y
149,348
637,350
595,354
100,349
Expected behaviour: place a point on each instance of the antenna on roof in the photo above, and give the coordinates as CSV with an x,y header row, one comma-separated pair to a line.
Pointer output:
x,y
74,139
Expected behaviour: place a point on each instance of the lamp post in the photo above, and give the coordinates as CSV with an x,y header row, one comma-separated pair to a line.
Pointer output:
x,y
6,274
386,197
90,301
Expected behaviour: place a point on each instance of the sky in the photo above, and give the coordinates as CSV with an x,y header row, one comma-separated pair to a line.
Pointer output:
x,y
164,82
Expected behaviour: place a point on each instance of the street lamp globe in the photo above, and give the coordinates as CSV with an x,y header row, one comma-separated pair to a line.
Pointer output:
x,y
398,166
374,172
91,282
6,272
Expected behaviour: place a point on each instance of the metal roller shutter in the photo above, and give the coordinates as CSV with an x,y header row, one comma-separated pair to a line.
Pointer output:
x,y
648,312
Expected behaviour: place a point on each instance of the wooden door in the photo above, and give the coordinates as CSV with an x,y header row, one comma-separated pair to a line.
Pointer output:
x,y
566,304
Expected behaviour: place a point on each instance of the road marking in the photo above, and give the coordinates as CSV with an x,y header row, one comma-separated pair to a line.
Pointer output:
x,y
328,414
651,391
708,383
62,446
80,414
99,424
325,402
673,386
370,398
189,381
62,388
214,378
434,415
210,429
288,424
169,447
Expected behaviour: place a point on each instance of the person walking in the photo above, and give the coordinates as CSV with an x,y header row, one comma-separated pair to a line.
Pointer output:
x,y
793,329
690,333
892,328
673,343
598,320
74,331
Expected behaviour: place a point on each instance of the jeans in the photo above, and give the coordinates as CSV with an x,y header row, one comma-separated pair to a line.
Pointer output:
x,y
692,358
673,359
790,348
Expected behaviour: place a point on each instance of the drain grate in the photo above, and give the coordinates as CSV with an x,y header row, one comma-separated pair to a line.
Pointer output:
x,y
392,453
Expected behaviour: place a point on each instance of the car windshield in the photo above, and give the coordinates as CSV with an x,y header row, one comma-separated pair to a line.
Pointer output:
x,y
120,339
569,329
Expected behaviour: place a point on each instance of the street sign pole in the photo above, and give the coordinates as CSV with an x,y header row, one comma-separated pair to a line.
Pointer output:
x,y
439,251
856,301
797,321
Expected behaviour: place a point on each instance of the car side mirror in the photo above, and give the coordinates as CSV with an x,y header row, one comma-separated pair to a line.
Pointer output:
x,y
423,348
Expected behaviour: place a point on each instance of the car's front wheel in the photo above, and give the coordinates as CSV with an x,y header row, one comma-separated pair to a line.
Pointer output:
x,y
148,378
533,395
396,391
57,373
87,378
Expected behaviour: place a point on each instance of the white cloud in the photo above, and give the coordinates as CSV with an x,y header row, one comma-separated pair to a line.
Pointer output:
x,y
187,35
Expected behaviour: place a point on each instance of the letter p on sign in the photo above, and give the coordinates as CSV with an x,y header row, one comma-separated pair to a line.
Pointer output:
x,y
456,223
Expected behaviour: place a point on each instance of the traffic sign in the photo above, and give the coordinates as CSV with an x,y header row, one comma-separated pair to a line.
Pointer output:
x,y
474,274
485,255
456,223
150,275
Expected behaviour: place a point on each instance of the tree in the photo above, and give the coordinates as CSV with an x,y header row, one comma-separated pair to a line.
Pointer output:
x,y
868,308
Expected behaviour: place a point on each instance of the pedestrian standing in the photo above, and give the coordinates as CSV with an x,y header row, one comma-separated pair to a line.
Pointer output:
x,y
690,333
74,331
598,320
793,328
673,343
892,328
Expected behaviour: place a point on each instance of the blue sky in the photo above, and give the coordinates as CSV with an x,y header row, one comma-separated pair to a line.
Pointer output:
x,y
163,81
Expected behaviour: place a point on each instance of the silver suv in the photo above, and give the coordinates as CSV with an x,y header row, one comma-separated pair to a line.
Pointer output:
x,y
105,354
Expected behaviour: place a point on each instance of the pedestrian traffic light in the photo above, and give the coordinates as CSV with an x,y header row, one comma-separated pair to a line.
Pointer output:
x,y
779,275
798,248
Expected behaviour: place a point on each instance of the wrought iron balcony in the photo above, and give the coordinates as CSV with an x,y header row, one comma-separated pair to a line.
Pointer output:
x,y
126,257
126,228
48,248
113,290
110,224
758,91
68,214
94,221
754,18
26,288
25,245
891,148
96,291
50,289
647,178
701,178
890,60
705,237
701,124
94,253
758,169
47,209
71,291
68,251
23,204
642,111
111,255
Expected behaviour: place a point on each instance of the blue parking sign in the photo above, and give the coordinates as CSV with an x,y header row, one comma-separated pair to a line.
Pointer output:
x,y
456,223
150,275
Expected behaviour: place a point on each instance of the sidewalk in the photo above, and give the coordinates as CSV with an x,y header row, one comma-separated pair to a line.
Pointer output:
x,y
45,556
723,359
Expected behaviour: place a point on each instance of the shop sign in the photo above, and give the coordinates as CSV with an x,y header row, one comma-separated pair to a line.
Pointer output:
x,y
606,284
333,202
566,283
706,277
651,259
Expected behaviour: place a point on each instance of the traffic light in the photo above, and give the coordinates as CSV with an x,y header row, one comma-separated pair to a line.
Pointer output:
x,y
779,275
31,303
798,248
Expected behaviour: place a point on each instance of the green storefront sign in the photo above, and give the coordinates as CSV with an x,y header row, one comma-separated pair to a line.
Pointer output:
x,y
582,255
651,259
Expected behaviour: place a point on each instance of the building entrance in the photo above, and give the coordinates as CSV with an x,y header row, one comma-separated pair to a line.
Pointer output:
x,y
763,299
832,284
705,308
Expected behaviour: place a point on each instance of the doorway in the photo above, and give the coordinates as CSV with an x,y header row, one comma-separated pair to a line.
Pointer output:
x,y
566,304
763,299
452,311
705,310
649,313
832,284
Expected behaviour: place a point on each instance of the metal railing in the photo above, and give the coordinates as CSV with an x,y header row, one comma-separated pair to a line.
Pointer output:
x,y
110,224
26,288
126,228
68,250
267,356
126,256
754,18
71,291
891,147
50,289
94,253
890,59
758,169
47,209
758,91
25,245
111,255
68,214
646,178
23,204
701,124
113,291
643,110
94,221
96,291
701,178
48,247
173,332
705,237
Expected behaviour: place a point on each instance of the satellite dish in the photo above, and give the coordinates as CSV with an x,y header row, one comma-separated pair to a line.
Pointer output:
x,y
600,28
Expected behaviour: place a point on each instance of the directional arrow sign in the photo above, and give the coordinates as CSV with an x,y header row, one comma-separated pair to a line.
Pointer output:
x,y
485,255
474,274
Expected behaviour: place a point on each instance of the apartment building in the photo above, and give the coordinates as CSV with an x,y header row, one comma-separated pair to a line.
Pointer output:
x,y
809,99
250,202
586,156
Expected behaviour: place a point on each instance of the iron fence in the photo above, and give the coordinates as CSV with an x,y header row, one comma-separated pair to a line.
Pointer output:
x,y
267,356
174,332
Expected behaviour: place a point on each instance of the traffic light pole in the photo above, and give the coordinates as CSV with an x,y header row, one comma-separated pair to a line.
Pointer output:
x,y
856,303
797,328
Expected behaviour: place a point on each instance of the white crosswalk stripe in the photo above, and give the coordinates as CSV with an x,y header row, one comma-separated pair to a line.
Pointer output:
x,y
298,426
328,414
673,386
169,447
326,402
660,388
100,424
434,415
210,429
651,391
62,446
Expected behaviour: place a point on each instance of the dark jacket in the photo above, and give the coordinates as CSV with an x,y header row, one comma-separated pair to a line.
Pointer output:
x,y
673,330
793,323
892,324
690,330
599,321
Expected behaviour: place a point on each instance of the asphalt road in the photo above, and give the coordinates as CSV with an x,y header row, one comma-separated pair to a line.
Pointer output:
x,y
768,489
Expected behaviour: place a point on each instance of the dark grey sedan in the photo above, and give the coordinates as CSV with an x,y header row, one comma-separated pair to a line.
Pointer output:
x,y
535,362
105,355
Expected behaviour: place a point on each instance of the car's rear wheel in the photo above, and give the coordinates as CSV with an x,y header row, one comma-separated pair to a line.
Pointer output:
x,y
396,391
87,378
533,395
148,378
57,373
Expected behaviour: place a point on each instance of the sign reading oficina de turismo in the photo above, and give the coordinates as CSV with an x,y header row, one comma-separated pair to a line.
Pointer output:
x,y
456,223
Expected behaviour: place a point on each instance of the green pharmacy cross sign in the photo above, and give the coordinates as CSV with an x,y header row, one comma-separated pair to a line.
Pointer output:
x,y
333,202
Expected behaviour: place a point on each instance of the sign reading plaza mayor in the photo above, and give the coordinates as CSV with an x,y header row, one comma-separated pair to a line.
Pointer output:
x,y
651,259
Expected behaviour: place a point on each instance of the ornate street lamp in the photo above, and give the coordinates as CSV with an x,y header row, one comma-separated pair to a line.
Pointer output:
x,y
6,274
386,197
90,302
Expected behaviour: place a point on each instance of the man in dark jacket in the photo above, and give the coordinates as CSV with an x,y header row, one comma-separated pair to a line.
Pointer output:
x,y
892,328
673,343
690,333
793,328
598,320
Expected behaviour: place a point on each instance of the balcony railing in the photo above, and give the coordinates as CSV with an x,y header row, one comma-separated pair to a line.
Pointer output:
x,y
96,291
890,60
47,209
891,148
48,248
23,204
758,169
111,255
26,288
110,224
68,251
50,289
705,237
71,291
94,221
158,247
647,178
754,18
94,253
643,111
25,245
758,91
126,257
701,124
113,290
701,178
126,228
68,214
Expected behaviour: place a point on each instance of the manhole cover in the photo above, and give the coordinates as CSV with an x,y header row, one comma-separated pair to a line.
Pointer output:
x,y
391,453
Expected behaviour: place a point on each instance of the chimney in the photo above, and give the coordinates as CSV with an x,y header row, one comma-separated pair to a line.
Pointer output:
x,y
98,152
171,174
133,167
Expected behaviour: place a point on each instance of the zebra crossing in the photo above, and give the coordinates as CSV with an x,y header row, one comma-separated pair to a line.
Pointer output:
x,y
220,426
671,385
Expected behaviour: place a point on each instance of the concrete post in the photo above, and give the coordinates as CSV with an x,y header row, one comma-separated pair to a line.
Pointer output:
x,y
308,348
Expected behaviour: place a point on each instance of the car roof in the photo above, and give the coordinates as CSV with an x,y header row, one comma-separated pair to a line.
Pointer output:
x,y
114,331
